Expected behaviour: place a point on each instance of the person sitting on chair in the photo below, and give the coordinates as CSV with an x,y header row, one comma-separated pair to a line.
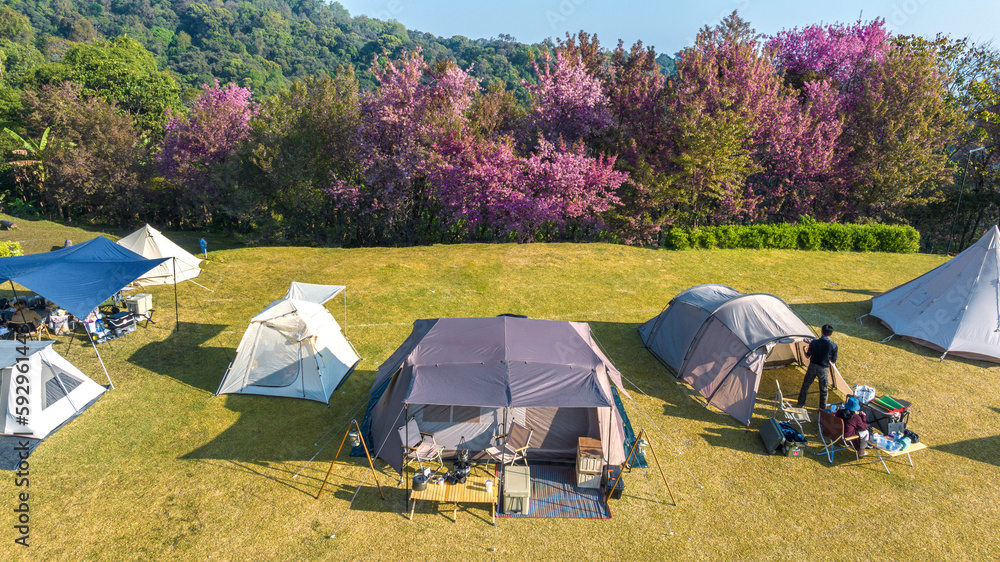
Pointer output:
x,y
24,315
855,423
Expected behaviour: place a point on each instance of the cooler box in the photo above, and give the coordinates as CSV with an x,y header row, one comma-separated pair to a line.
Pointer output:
x,y
589,459
516,489
139,303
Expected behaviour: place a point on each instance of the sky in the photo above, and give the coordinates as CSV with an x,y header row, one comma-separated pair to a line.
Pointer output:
x,y
671,26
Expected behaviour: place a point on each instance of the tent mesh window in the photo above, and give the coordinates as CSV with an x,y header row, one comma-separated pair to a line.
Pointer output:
x,y
433,413
277,360
53,390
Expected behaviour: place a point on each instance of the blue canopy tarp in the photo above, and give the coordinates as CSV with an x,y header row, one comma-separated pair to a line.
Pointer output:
x,y
78,278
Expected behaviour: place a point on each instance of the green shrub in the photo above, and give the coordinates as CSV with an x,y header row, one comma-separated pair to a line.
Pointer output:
x,y
808,235
9,248
678,239
726,236
864,238
780,236
837,237
703,238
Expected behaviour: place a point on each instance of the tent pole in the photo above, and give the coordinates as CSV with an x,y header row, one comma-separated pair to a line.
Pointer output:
x,y
367,454
345,313
503,453
91,338
177,310
643,432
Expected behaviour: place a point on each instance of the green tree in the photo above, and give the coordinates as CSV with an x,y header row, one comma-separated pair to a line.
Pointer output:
x,y
300,139
121,72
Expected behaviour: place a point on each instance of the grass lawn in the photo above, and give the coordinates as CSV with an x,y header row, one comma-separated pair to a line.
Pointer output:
x,y
160,468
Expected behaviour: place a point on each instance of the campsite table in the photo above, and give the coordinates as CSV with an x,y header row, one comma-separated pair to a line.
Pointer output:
x,y
473,491
913,448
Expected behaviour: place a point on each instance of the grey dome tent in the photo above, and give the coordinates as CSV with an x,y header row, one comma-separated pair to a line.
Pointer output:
x,y
719,340
468,377
953,308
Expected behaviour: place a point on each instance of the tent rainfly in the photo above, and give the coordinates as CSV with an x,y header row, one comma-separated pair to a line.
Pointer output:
x,y
56,389
293,348
719,341
151,243
78,278
469,377
953,308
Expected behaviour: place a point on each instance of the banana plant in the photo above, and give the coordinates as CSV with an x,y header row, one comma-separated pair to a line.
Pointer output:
x,y
31,153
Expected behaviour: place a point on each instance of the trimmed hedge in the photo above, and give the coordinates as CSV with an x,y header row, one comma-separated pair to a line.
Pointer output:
x,y
807,236
8,249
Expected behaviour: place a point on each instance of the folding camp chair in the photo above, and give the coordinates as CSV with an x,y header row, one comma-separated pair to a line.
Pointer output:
x,y
28,330
417,447
798,416
831,431
515,446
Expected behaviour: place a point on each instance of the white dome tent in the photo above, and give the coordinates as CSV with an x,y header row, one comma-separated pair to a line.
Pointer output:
x,y
56,390
151,243
293,348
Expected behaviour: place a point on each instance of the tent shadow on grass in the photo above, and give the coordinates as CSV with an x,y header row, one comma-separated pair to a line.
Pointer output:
x,y
272,429
982,449
183,357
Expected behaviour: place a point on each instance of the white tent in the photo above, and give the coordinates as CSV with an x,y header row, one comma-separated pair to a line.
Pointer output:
x,y
955,307
150,243
55,390
293,348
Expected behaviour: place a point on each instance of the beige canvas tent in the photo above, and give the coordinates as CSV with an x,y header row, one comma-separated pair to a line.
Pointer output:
x,y
151,244
719,341
293,348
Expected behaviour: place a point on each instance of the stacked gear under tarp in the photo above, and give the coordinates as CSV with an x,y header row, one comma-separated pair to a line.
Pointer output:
x,y
953,308
465,377
719,340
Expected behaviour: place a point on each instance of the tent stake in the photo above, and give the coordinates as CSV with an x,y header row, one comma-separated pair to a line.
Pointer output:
x,y
177,310
367,454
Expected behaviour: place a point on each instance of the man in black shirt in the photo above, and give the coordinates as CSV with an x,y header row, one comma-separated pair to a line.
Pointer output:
x,y
821,352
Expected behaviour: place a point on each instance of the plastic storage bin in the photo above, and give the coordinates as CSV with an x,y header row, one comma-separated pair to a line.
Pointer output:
x,y
516,489
140,303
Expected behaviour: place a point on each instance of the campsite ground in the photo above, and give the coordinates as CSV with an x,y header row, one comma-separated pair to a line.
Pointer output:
x,y
160,468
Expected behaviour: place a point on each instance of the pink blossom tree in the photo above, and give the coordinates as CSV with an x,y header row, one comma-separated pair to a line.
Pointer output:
x,y
198,144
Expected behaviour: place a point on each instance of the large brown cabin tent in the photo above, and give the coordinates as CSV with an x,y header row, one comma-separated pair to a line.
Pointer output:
x,y
463,377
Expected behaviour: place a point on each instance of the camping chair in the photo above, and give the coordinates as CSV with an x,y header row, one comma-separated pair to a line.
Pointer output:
x,y
28,330
417,447
798,416
516,446
831,431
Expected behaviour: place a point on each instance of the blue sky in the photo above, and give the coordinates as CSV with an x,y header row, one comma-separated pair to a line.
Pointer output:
x,y
670,26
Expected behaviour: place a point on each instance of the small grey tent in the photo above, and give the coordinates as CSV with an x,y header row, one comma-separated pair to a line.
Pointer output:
x,y
719,341
467,377
953,308
293,348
